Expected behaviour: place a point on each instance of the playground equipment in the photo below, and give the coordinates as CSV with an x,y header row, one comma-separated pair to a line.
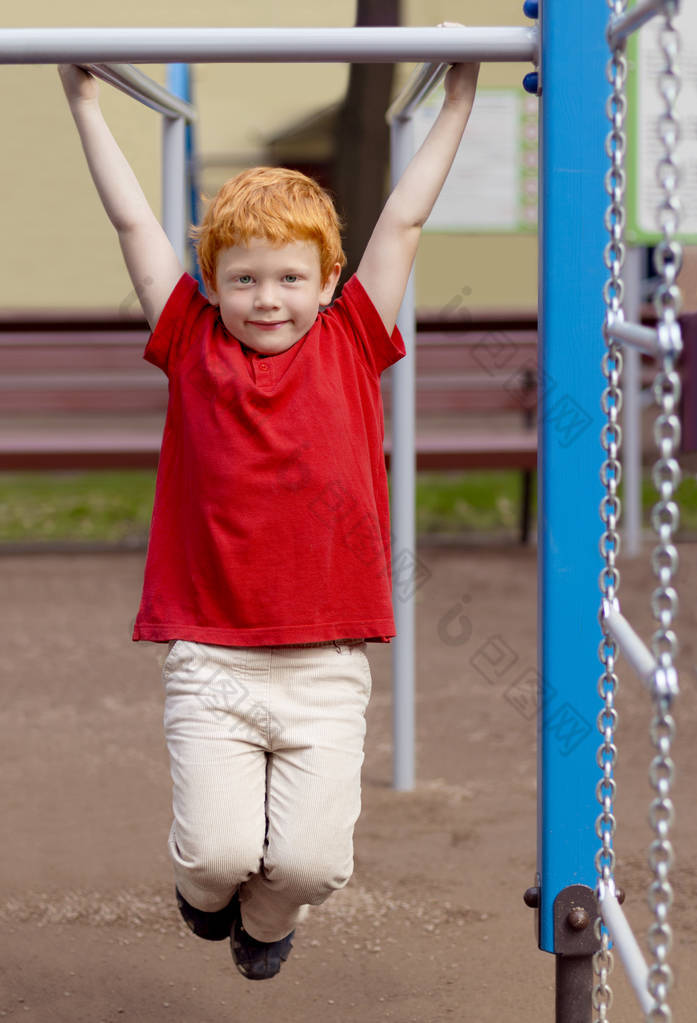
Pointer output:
x,y
655,666
568,48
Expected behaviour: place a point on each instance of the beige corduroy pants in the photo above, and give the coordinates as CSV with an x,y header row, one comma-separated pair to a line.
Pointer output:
x,y
266,748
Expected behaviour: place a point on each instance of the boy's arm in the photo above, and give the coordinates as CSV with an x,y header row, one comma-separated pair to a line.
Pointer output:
x,y
150,259
387,260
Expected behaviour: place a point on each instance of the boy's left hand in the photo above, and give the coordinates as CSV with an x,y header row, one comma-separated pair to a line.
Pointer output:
x,y
461,83
384,269
461,80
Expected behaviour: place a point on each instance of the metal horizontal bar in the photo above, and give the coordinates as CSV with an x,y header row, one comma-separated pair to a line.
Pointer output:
x,y
139,86
636,335
626,944
666,339
632,20
659,681
422,81
285,45
631,645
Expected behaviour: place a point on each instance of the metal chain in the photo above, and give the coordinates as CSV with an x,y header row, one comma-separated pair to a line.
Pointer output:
x,y
611,439
665,519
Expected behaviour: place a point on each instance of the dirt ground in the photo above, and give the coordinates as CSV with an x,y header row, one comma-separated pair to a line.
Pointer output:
x,y
432,926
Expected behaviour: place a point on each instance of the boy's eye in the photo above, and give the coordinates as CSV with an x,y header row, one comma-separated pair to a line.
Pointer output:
x,y
290,278
244,279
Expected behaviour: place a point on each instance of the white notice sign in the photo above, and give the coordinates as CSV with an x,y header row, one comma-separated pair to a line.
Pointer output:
x,y
492,186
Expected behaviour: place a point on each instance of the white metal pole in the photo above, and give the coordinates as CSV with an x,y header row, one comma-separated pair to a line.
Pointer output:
x,y
631,645
403,478
174,193
627,946
134,83
645,339
633,19
291,45
422,81
631,414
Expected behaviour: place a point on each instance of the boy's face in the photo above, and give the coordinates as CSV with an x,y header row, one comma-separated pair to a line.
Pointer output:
x,y
269,295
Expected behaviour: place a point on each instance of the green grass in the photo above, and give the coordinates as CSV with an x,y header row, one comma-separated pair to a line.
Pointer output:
x,y
467,502
89,506
116,506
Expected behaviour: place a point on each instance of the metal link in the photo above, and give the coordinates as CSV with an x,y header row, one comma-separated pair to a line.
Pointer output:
x,y
603,962
665,519
610,507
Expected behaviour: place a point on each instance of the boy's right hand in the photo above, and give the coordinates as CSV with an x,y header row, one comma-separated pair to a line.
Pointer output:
x,y
78,83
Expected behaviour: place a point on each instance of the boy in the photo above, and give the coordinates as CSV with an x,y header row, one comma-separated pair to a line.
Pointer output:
x,y
268,561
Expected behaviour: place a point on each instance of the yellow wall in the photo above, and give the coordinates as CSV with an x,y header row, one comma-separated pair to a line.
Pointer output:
x,y
60,251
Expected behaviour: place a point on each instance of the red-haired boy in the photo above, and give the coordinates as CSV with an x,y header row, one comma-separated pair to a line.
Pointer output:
x,y
268,565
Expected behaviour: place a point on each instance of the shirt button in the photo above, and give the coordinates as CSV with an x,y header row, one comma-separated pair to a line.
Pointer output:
x,y
262,365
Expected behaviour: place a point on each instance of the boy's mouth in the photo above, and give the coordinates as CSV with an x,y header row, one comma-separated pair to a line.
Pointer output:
x,y
267,324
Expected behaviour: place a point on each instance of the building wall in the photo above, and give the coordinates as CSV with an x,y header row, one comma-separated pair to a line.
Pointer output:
x,y
60,251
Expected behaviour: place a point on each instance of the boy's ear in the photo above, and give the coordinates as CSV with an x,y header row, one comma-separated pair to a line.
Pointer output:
x,y
327,292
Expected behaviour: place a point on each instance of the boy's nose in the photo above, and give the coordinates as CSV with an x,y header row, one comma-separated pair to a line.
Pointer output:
x,y
265,297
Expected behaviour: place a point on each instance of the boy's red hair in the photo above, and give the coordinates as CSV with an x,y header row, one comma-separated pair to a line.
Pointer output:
x,y
280,205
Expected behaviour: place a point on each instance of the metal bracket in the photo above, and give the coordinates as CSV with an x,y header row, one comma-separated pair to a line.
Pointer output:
x,y
575,911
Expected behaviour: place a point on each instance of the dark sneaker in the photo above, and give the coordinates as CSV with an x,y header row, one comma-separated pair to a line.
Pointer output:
x,y
258,960
211,926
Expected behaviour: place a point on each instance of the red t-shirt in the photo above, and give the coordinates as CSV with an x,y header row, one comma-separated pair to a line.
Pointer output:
x,y
271,522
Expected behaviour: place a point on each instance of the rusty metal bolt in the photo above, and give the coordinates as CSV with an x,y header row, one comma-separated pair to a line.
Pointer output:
x,y
578,919
531,898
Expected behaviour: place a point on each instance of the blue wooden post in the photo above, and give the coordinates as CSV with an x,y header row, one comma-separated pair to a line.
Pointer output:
x,y
572,237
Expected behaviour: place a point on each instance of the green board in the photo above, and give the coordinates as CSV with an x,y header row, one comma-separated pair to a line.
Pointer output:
x,y
643,145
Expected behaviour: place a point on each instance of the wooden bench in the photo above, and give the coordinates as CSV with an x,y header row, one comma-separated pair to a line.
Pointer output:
x,y
476,396
76,394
